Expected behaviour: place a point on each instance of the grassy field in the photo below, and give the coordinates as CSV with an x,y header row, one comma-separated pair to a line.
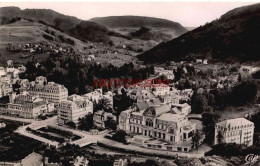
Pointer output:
x,y
114,59
23,32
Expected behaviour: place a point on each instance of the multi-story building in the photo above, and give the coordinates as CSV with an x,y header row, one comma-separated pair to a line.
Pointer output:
x,y
109,96
50,91
28,106
73,108
94,96
185,94
158,122
5,89
183,108
100,117
160,89
239,131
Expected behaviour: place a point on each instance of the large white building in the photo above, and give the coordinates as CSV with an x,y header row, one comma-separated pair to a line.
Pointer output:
x,y
159,122
27,106
94,96
50,91
239,131
73,108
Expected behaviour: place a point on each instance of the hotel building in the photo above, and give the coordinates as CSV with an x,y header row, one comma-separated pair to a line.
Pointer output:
x,y
73,108
27,106
50,91
239,131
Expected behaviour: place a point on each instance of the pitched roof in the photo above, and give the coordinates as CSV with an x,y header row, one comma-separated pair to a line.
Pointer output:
x,y
238,122
142,105
33,159
170,117
156,111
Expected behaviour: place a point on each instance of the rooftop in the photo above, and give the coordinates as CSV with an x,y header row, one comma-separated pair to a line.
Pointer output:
x,y
238,122
170,117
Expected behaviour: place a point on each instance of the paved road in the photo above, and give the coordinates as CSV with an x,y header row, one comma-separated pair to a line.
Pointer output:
x,y
36,125
17,119
133,148
86,139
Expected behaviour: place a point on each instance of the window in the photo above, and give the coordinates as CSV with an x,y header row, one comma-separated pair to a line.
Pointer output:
x,y
149,122
171,130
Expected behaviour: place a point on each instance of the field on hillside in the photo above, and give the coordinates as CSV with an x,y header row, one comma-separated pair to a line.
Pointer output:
x,y
115,59
23,32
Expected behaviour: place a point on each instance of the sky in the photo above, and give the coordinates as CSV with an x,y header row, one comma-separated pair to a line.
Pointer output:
x,y
189,14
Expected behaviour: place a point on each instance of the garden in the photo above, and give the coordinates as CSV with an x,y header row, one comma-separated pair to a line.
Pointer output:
x,y
54,134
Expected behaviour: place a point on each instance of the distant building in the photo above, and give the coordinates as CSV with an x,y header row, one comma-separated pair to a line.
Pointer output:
x,y
80,161
5,89
185,108
199,61
160,89
28,106
33,159
205,61
100,117
185,94
94,96
50,91
73,108
109,96
120,162
158,70
168,74
13,72
10,63
2,125
239,131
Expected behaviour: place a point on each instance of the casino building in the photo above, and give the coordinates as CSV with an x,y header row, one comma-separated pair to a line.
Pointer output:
x,y
160,123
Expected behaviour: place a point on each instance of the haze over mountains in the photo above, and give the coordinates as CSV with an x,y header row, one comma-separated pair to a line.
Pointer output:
x,y
235,36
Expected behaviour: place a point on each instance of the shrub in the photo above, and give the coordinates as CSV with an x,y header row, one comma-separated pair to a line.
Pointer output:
x,y
48,37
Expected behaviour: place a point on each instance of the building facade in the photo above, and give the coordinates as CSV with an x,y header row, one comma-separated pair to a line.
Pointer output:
x,y
239,131
5,89
73,108
157,122
100,117
50,91
28,106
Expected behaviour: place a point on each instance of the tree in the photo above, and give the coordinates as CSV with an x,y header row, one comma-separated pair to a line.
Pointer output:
x,y
86,123
219,137
110,123
103,104
120,136
244,93
209,120
71,124
195,139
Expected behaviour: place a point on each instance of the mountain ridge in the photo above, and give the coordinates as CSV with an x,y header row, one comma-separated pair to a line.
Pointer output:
x,y
68,24
232,37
